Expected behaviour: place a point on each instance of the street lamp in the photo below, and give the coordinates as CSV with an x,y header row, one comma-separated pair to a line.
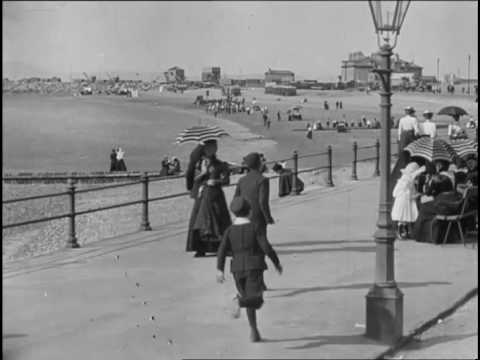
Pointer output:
x,y
468,76
384,301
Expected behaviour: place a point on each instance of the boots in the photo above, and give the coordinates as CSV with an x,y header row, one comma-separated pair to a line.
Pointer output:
x,y
252,321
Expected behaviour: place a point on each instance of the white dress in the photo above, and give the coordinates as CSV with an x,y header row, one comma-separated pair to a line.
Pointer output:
x,y
404,206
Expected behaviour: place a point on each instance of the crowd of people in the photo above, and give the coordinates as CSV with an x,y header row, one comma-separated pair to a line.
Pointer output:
x,y
428,189
170,166
425,189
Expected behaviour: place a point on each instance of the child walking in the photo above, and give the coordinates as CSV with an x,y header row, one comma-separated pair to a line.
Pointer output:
x,y
404,209
248,249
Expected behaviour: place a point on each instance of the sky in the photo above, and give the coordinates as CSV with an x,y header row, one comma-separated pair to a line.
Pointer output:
x,y
308,38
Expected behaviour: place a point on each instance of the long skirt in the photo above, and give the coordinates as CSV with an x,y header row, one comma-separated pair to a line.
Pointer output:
x,y
121,165
250,288
209,220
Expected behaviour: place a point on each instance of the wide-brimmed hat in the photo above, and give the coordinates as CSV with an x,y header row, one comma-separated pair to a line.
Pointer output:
x,y
240,206
427,112
410,168
409,109
252,160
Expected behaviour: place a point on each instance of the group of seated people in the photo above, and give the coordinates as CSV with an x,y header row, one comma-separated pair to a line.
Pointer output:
x,y
170,166
441,190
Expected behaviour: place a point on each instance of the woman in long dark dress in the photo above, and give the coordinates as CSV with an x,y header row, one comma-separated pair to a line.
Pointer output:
x,y
210,216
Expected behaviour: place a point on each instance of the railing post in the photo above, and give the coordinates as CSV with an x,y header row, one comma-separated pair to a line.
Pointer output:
x,y
295,173
377,158
145,224
72,239
330,180
354,163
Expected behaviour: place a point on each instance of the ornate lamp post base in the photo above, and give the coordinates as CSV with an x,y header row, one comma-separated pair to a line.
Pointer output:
x,y
384,313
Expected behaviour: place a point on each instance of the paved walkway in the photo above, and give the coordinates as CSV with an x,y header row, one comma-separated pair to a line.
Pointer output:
x,y
141,296
455,337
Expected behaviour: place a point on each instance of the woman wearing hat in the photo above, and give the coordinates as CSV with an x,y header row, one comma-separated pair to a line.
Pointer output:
x,y
407,132
428,127
210,217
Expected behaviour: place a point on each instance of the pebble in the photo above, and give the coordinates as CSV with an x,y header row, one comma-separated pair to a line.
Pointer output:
x,y
137,284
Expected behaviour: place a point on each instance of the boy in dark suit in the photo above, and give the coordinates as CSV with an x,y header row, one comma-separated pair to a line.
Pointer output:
x,y
248,248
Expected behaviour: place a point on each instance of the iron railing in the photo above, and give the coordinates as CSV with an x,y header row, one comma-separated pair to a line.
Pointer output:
x,y
146,179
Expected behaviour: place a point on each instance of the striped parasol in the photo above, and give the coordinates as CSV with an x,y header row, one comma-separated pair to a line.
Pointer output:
x,y
431,149
465,148
200,134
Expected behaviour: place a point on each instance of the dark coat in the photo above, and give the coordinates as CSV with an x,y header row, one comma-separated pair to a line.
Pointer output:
x,y
285,183
248,248
210,216
446,203
193,165
255,188
113,161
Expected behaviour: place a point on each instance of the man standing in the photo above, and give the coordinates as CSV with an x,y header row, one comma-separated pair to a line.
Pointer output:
x,y
255,188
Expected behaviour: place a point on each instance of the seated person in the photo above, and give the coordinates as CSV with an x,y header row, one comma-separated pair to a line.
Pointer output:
x,y
165,166
445,200
174,166
285,181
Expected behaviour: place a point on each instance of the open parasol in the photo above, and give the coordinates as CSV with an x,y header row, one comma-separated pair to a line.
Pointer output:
x,y
465,148
200,134
431,149
452,111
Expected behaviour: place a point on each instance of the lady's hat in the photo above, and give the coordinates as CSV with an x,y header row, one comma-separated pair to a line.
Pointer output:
x,y
410,168
427,113
410,109
240,206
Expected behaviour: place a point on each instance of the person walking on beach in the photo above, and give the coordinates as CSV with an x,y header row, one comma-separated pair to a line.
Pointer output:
x,y
340,104
209,218
309,132
265,119
248,248
120,162
268,123
278,116
113,160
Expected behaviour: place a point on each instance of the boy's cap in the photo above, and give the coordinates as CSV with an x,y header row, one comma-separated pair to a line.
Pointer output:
x,y
239,205
252,160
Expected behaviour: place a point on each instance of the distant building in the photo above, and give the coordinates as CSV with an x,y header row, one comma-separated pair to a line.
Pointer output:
x,y
174,75
279,76
211,74
284,90
249,83
358,68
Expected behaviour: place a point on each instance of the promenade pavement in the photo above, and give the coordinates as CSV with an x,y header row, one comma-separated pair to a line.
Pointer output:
x,y
140,296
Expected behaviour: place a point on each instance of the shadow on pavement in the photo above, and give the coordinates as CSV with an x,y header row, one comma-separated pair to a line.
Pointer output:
x,y
319,340
346,248
415,345
307,243
13,336
359,286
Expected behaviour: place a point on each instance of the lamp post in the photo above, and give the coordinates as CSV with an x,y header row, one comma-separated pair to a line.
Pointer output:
x,y
384,301
438,74
468,75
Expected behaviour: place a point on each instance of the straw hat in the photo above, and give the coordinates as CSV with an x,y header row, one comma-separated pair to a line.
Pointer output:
x,y
427,113
410,109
